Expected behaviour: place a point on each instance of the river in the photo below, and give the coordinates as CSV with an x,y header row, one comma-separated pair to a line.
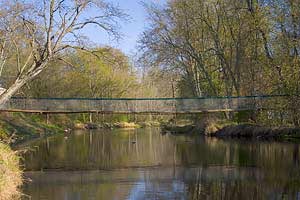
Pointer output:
x,y
145,164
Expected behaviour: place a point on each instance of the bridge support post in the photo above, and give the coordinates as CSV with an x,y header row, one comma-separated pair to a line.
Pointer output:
x,y
91,117
135,119
47,118
98,118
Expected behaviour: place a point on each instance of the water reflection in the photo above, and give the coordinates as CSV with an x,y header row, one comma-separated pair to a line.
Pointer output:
x,y
143,164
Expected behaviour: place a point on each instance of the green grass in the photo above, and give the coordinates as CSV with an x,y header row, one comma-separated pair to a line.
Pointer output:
x,y
17,127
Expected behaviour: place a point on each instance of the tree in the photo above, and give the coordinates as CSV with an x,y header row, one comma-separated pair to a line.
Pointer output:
x,y
208,41
228,47
42,31
107,74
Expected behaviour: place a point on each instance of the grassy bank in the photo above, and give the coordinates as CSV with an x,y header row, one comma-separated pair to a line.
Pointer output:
x,y
17,127
115,125
243,124
10,174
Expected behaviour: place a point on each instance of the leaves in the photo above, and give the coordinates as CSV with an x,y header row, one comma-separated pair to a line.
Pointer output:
x,y
106,74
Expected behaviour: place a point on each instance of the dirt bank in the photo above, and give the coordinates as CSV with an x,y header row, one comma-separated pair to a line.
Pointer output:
x,y
258,132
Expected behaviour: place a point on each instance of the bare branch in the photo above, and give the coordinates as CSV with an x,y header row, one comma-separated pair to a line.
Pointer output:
x,y
50,27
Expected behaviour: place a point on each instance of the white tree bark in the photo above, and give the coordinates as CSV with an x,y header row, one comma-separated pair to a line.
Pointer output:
x,y
7,94
20,82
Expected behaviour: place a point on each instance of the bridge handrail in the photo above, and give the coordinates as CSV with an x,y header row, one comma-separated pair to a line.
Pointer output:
x,y
160,98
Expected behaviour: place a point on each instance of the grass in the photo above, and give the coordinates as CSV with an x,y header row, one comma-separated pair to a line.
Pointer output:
x,y
18,127
10,174
214,125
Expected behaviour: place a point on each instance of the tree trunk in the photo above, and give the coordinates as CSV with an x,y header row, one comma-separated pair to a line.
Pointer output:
x,y
21,81
4,98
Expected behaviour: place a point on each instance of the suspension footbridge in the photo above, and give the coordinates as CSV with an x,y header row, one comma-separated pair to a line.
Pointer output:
x,y
140,105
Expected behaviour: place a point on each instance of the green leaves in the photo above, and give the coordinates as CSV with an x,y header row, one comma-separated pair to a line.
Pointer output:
x,y
104,73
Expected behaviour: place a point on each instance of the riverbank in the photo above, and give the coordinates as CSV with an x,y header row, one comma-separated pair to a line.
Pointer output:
x,y
203,127
232,129
116,125
16,128
10,174
252,131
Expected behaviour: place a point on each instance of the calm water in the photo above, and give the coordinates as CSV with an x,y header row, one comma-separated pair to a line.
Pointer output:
x,y
144,164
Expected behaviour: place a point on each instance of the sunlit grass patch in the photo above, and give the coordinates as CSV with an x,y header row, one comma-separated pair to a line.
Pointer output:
x,y
10,174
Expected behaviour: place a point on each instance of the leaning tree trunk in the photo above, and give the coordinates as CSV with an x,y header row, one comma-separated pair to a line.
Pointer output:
x,y
4,98
20,82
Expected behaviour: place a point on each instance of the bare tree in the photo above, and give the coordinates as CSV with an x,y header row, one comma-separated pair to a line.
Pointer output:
x,y
41,31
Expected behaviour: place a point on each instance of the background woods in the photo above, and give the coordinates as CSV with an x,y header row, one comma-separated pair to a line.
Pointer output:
x,y
227,48
192,48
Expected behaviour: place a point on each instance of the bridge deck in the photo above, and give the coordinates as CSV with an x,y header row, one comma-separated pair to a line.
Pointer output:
x,y
137,106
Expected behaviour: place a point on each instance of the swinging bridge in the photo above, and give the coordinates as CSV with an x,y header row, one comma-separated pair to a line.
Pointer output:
x,y
141,105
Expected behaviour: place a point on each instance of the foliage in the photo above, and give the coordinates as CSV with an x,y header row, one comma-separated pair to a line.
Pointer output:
x,y
227,47
36,34
106,73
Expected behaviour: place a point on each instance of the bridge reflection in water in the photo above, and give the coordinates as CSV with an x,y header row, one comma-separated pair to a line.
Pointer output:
x,y
142,105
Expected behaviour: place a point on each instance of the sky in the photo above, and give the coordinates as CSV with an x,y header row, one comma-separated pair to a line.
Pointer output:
x,y
130,30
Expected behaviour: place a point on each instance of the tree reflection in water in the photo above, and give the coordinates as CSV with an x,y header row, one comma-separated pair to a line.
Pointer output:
x,y
143,164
